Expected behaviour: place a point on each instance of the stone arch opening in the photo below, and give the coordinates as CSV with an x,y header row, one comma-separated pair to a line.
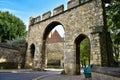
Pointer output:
x,y
53,46
82,43
32,53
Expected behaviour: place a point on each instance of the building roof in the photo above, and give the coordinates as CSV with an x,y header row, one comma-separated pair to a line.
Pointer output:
x,y
55,37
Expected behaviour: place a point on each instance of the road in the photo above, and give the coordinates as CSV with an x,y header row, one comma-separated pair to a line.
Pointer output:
x,y
26,75
48,74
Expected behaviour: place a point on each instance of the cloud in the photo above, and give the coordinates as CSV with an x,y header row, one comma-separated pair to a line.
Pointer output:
x,y
13,11
6,3
7,9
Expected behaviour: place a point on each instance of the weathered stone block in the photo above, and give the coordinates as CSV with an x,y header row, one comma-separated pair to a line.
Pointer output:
x,y
37,19
31,20
46,15
58,10
34,20
73,3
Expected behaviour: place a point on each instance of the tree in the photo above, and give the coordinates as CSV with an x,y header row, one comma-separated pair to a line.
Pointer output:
x,y
113,23
11,27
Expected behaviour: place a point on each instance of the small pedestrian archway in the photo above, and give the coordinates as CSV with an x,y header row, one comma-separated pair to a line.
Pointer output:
x,y
56,44
32,53
82,45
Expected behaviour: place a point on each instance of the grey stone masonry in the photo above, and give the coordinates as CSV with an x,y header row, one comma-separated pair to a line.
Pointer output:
x,y
12,54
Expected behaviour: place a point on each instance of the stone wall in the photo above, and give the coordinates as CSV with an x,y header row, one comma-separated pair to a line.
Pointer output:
x,y
105,73
55,51
14,55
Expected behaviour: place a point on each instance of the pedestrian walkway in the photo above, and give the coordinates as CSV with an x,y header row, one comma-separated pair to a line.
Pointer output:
x,y
16,70
59,76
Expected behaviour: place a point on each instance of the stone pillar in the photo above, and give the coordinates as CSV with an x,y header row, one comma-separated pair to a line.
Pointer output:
x,y
101,48
95,49
28,58
39,59
43,54
46,59
70,60
36,58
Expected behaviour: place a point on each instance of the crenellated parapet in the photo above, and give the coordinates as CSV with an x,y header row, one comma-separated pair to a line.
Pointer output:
x,y
34,20
56,11
60,9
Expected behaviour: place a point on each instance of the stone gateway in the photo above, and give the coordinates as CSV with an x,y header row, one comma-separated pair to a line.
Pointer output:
x,y
81,20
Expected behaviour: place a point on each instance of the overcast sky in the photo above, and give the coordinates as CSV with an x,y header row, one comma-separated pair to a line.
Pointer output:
x,y
27,8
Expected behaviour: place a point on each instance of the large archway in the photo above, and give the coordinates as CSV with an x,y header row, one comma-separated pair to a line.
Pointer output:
x,y
82,43
53,44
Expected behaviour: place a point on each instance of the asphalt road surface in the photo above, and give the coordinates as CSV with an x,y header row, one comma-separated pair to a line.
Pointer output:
x,y
29,75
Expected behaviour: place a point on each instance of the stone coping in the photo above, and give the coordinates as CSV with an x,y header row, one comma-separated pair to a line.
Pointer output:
x,y
112,71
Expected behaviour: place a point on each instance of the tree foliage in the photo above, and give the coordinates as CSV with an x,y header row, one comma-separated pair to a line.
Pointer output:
x,y
11,27
113,23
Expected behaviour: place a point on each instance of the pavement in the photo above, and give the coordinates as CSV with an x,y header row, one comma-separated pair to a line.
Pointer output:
x,y
16,70
51,74
61,77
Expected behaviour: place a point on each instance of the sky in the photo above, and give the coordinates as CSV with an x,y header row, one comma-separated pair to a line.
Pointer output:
x,y
24,9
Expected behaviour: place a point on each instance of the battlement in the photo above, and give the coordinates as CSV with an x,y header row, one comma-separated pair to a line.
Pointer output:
x,y
60,9
46,15
34,20
56,11
73,3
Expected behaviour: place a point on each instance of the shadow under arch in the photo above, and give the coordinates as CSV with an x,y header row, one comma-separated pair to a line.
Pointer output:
x,y
48,29
78,41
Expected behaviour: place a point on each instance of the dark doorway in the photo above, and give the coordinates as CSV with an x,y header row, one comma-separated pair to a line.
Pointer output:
x,y
82,52
32,53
